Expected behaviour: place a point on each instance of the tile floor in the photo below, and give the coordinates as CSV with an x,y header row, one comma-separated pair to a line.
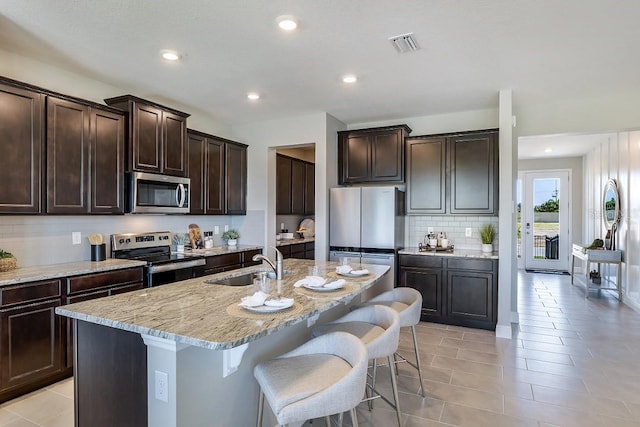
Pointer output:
x,y
572,362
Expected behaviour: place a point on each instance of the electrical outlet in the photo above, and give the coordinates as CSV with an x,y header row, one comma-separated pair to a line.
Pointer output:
x,y
162,386
468,232
429,229
216,230
76,237
226,228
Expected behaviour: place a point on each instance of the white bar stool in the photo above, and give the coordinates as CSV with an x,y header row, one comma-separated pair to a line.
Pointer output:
x,y
324,376
408,303
379,329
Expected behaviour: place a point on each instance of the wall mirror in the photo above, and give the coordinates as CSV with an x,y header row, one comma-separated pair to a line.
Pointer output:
x,y
611,204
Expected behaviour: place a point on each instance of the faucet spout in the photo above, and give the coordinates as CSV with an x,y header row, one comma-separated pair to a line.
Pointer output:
x,y
276,266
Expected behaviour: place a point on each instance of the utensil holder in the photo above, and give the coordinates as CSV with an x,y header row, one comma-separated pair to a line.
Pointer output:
x,y
98,252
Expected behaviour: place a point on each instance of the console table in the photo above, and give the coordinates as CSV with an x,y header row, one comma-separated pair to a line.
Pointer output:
x,y
598,256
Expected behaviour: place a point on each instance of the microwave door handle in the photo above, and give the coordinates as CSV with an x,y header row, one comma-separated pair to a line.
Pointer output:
x,y
180,195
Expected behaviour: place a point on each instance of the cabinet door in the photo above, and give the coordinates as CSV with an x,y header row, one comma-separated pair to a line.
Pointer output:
x,y
21,139
197,173
310,189
426,175
473,174
31,343
429,283
387,156
107,162
174,144
297,250
283,185
236,179
67,156
356,158
146,138
298,174
214,177
471,298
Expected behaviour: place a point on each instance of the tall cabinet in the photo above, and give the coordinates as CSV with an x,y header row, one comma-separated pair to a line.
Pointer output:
x,y
218,173
295,186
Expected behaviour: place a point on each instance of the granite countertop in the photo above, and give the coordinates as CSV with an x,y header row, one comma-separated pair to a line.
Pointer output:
x,y
222,250
286,242
53,271
194,312
457,253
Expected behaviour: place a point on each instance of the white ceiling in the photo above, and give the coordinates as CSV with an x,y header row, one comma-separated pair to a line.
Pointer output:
x,y
542,50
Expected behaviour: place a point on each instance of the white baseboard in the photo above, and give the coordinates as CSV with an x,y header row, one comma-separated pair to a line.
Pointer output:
x,y
503,331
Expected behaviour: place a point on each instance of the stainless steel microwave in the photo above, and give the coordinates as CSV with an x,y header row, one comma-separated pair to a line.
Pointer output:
x,y
158,194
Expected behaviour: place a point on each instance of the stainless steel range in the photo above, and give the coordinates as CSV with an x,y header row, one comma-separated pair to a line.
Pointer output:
x,y
154,248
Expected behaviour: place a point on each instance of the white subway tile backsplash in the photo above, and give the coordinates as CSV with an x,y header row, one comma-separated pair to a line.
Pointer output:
x,y
454,226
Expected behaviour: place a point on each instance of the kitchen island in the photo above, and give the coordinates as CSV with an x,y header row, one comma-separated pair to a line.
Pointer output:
x,y
183,354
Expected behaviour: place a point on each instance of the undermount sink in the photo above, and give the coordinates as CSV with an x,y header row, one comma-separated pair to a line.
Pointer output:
x,y
244,280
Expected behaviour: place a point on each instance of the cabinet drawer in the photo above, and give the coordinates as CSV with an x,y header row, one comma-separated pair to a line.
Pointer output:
x,y
470,264
224,260
100,280
248,255
426,261
27,292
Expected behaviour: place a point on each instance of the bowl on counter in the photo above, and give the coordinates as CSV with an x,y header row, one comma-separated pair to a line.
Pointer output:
x,y
286,236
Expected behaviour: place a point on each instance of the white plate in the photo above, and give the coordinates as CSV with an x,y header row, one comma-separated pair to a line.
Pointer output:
x,y
322,288
266,308
350,274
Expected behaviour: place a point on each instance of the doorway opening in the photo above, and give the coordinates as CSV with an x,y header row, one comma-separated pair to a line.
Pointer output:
x,y
543,212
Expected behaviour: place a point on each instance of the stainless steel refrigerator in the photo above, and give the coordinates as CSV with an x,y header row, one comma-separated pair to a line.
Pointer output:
x,y
366,224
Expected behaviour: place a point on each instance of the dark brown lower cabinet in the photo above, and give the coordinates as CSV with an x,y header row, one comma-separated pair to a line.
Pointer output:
x,y
219,263
456,291
298,250
32,343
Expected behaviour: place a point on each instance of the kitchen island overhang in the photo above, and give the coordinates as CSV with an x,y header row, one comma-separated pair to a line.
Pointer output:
x,y
185,331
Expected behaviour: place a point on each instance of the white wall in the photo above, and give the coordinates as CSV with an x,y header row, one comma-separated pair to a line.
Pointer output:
x,y
618,158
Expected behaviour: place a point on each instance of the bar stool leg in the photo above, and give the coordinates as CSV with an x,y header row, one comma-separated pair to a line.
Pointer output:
x,y
373,384
354,417
260,408
415,348
394,387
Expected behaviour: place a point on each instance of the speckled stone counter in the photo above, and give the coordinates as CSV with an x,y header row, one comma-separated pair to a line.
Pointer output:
x,y
287,242
222,250
193,311
46,272
458,253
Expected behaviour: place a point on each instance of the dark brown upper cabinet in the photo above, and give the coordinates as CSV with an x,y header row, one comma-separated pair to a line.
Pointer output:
x,y
85,159
295,186
218,173
372,155
453,173
157,136
21,139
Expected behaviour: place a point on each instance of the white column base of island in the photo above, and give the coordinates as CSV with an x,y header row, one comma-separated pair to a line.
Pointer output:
x,y
199,358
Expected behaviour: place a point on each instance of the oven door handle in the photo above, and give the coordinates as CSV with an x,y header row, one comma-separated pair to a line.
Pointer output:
x,y
176,266
180,195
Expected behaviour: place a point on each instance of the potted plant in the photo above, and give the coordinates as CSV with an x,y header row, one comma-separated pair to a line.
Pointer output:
x,y
487,235
180,239
7,261
231,237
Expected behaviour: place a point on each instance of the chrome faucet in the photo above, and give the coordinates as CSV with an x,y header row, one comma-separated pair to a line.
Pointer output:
x,y
277,266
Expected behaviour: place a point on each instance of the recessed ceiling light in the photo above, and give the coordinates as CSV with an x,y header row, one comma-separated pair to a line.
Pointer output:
x,y
548,150
253,96
350,78
170,55
287,22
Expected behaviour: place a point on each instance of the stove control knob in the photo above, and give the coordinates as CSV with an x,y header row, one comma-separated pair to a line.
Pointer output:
x,y
121,241
128,240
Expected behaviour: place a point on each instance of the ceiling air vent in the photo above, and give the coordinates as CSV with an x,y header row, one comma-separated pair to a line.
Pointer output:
x,y
404,43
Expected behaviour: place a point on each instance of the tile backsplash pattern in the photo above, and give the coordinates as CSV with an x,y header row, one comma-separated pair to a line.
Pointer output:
x,y
453,225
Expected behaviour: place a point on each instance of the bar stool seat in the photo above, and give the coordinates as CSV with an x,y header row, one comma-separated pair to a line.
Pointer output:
x,y
379,329
408,303
324,376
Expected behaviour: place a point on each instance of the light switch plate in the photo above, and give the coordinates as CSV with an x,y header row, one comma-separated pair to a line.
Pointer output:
x,y
216,230
162,386
226,228
468,232
76,237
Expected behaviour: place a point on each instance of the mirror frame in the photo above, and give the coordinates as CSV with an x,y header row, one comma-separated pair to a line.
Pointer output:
x,y
611,187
